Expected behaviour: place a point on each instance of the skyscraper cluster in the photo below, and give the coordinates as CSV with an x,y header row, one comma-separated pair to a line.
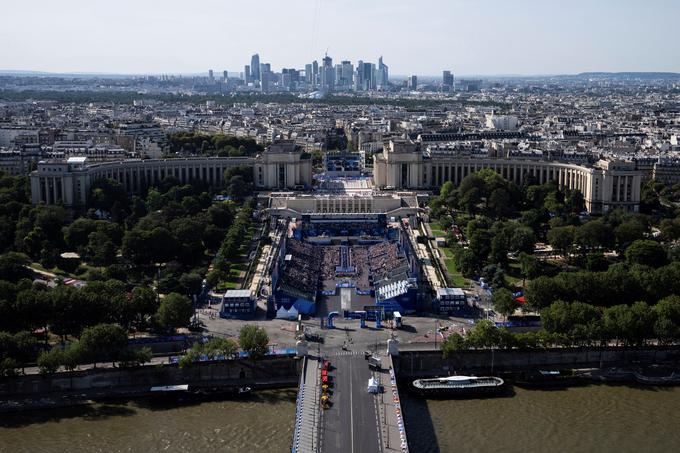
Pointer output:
x,y
343,76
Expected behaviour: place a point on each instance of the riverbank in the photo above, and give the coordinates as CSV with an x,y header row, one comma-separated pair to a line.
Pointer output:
x,y
87,386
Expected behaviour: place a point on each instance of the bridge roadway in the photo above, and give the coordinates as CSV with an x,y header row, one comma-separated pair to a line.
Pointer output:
x,y
350,425
357,421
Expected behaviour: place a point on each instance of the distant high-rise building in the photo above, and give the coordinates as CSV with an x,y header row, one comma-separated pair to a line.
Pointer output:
x,y
327,73
210,74
266,77
255,66
383,75
447,81
347,73
246,72
338,75
315,73
359,76
309,74
413,82
368,77
225,75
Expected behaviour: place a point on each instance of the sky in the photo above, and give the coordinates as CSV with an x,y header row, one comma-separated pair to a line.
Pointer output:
x,y
424,37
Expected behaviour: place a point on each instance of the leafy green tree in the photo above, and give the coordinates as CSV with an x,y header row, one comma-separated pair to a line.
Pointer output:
x,y
105,193
576,320
221,214
503,302
596,262
217,347
483,335
71,356
13,267
594,234
103,342
144,304
629,231
453,343
667,319
542,291
175,311
529,267
100,249
562,238
50,361
646,252
253,340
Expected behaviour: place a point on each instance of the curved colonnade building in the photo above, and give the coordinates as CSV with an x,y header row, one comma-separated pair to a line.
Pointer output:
x,y
281,166
605,185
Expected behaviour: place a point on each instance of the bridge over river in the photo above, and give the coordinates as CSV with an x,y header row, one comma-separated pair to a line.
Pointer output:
x,y
356,421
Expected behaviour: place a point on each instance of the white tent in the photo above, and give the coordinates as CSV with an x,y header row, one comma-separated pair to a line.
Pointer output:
x,y
281,313
293,312
373,386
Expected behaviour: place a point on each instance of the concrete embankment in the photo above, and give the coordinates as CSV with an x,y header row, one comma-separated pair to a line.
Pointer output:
x,y
414,364
79,387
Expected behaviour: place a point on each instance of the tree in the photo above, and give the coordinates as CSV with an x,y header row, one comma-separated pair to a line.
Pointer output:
x,y
562,238
483,335
100,249
13,267
220,347
50,361
646,252
253,340
221,214
454,342
529,266
578,321
237,188
103,342
105,193
594,234
543,291
144,304
175,311
503,302
667,319
629,231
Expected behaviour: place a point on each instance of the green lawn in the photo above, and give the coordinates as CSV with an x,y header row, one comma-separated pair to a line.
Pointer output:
x,y
437,229
456,277
514,273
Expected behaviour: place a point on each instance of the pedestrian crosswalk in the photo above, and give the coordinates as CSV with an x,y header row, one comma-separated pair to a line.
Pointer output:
x,y
349,352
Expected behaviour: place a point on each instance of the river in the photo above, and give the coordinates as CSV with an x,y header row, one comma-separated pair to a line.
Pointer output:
x,y
595,418
583,419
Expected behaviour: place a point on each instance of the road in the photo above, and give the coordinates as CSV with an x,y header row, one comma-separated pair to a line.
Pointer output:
x,y
350,425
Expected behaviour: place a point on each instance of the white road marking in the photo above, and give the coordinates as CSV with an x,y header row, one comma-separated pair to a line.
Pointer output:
x,y
351,406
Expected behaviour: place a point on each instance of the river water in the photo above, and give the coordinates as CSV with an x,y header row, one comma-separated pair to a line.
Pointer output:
x,y
595,418
582,419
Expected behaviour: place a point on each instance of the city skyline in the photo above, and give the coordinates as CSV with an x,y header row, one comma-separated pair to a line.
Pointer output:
x,y
607,36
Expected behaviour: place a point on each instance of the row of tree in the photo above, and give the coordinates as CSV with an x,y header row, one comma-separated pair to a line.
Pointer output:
x,y
252,339
578,324
620,283
99,343
212,145
66,311
234,239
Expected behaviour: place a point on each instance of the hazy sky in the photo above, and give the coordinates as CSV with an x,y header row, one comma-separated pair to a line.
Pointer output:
x,y
414,36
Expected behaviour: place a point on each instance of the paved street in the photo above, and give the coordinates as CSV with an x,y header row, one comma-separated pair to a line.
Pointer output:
x,y
350,425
